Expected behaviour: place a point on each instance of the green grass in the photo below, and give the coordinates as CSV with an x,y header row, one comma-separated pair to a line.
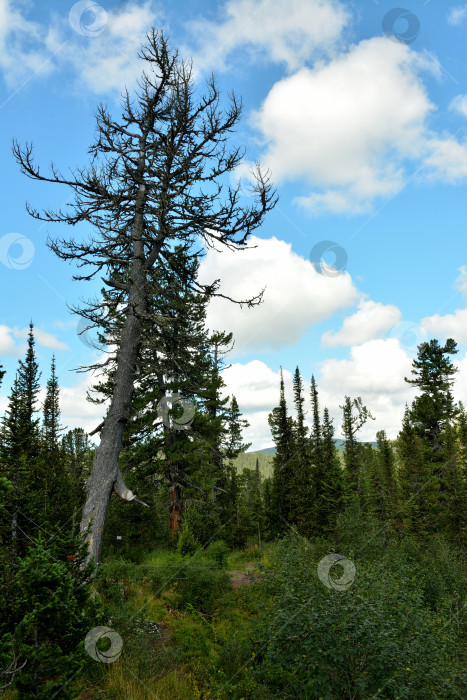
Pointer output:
x,y
247,460
198,646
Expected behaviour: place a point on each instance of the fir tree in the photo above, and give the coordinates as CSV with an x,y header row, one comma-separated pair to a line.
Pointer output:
x,y
454,494
19,453
386,463
355,415
316,436
51,415
330,503
235,425
283,496
418,485
28,388
433,373
302,486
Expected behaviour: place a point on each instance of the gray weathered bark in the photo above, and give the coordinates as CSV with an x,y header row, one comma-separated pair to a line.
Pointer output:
x,y
105,473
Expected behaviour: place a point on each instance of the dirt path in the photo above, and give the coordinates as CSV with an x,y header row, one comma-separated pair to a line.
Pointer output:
x,y
241,577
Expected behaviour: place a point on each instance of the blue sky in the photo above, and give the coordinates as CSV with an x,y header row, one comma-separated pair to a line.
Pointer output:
x,y
360,113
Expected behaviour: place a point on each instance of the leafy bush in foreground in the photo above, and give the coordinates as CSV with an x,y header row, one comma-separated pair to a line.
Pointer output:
x,y
378,637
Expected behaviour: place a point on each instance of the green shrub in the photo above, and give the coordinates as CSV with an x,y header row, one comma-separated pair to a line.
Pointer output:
x,y
187,542
201,586
218,552
203,521
49,616
379,637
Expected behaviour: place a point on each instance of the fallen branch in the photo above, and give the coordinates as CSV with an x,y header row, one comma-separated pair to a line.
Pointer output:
x,y
122,490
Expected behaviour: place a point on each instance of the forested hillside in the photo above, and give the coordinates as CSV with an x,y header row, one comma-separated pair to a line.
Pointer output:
x,y
154,556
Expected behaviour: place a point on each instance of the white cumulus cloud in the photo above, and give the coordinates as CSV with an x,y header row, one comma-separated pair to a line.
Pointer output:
x,y
450,325
43,338
371,321
290,33
296,295
101,63
7,342
354,126
375,371
457,15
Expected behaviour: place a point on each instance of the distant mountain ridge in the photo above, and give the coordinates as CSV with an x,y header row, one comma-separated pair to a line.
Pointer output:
x,y
339,443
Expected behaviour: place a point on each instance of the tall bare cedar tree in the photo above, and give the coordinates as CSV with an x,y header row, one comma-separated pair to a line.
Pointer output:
x,y
156,180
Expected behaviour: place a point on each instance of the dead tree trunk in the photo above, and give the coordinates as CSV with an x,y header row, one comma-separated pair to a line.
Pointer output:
x,y
105,471
175,512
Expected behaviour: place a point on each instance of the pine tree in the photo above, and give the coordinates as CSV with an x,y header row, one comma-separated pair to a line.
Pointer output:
x,y
454,494
19,453
316,436
386,463
55,486
300,429
2,374
51,415
76,454
178,357
355,415
13,466
302,486
156,180
284,472
433,374
330,503
418,485
28,388
235,425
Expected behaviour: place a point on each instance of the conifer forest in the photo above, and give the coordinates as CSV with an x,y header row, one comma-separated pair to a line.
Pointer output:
x,y
158,554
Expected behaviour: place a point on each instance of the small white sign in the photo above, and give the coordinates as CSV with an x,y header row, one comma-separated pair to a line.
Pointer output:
x,y
119,537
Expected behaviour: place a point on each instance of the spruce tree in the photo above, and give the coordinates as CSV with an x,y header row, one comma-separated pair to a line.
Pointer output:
x,y
28,389
330,503
355,415
418,484
51,414
433,373
56,489
284,472
19,453
303,478
386,463
235,425
453,496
